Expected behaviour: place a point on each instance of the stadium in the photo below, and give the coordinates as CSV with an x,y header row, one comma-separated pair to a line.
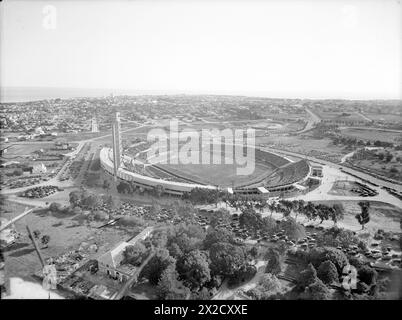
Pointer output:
x,y
273,175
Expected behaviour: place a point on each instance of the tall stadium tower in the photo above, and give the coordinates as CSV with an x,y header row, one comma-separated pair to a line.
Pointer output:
x,y
94,125
117,148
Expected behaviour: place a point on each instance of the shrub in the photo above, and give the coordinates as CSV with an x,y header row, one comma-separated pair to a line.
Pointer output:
x,y
327,272
293,229
275,261
367,275
337,257
131,222
317,291
55,207
307,276
270,283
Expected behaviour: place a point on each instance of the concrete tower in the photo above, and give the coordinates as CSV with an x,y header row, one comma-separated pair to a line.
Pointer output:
x,y
94,125
117,148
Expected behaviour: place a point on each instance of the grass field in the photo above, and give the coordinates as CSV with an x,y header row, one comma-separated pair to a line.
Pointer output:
x,y
22,149
367,134
223,174
382,215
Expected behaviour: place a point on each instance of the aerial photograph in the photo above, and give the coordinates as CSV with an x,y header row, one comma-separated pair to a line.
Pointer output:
x,y
201,150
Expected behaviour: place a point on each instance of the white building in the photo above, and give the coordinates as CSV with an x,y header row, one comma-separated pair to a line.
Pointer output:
x,y
110,262
39,130
39,168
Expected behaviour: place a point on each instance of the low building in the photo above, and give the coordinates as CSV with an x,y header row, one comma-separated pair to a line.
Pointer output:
x,y
7,236
110,263
316,171
39,168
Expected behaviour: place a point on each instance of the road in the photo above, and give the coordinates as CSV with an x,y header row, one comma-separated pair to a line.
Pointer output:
x,y
314,119
337,166
54,181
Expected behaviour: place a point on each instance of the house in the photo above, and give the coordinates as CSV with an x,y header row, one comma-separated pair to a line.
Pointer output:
x,y
39,130
110,263
316,171
62,145
7,236
39,168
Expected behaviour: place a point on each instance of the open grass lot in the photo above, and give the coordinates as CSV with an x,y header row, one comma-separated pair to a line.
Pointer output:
x,y
340,116
304,145
26,148
367,134
66,232
382,215
382,168
385,117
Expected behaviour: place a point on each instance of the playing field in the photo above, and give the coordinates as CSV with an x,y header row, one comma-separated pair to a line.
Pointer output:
x,y
223,174
386,136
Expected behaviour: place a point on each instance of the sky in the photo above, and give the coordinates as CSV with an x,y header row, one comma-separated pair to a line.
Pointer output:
x,y
295,49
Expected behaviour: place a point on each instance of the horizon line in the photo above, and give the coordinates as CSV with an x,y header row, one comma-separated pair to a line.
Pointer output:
x,y
172,92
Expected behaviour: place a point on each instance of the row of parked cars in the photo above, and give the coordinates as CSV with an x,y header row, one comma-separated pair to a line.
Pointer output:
x,y
40,192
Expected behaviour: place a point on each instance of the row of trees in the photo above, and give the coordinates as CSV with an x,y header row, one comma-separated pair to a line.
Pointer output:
x,y
91,201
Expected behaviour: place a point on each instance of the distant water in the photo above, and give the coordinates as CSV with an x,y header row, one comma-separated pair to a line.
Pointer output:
x,y
24,94
17,94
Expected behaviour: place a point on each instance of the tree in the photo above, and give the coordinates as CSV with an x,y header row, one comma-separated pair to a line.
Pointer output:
x,y
203,294
55,207
221,216
337,212
217,236
327,272
193,268
135,254
269,225
269,283
112,202
389,157
323,212
169,287
92,201
158,239
307,276
18,172
226,259
36,234
155,267
317,291
106,184
245,273
184,238
337,257
364,217
250,219
159,190
75,198
367,275
275,261
293,229
254,252
45,240
155,209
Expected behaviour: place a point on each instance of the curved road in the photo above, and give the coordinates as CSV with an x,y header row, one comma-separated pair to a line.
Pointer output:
x,y
359,174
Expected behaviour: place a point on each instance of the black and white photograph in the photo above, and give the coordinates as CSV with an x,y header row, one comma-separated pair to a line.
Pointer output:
x,y
220,153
